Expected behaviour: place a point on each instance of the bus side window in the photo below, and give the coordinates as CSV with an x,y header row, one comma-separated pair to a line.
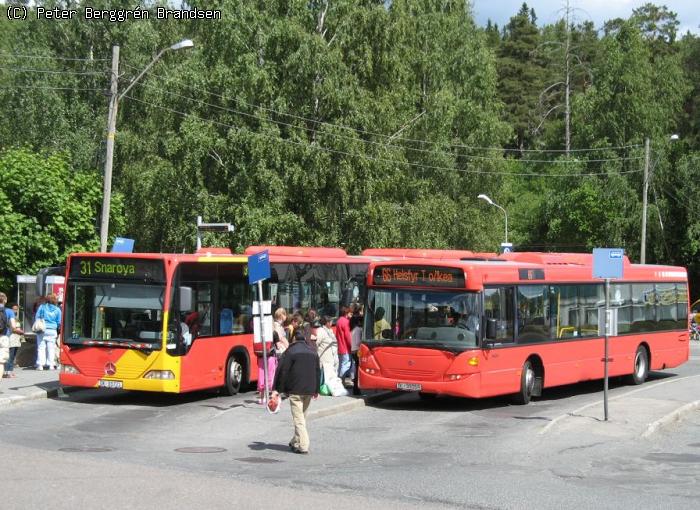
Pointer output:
x,y
499,312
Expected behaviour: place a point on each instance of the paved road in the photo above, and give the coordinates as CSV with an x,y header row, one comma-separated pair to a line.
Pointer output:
x,y
136,450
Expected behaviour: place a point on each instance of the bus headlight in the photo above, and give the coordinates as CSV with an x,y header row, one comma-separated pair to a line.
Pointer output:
x,y
159,374
69,369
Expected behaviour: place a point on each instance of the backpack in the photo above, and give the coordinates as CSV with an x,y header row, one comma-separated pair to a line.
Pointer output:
x,y
4,322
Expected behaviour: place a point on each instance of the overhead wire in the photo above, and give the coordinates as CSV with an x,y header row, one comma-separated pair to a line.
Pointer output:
x,y
51,71
22,87
52,57
381,144
361,155
381,135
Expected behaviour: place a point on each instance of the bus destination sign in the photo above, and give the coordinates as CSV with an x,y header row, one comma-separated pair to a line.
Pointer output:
x,y
419,276
116,268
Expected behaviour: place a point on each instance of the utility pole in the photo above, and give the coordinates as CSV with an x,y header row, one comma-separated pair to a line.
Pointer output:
x,y
112,128
109,156
643,249
567,90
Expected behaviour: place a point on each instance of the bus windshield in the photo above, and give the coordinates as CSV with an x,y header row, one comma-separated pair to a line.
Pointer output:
x,y
115,312
423,318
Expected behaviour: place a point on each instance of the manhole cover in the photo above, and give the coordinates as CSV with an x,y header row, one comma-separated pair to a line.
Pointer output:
x,y
90,449
258,460
200,449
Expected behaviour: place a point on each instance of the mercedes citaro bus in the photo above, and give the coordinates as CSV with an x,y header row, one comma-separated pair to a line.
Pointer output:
x,y
182,322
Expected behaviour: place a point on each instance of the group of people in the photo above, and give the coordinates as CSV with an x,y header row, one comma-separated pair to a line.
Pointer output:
x,y
47,321
305,355
337,350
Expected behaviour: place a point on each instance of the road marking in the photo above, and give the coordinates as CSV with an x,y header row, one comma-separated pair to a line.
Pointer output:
x,y
599,402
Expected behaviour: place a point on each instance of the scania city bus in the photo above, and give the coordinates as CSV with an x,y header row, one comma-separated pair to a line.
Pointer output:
x,y
516,324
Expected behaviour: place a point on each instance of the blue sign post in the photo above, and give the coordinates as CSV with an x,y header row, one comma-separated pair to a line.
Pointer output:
x,y
123,245
259,270
607,263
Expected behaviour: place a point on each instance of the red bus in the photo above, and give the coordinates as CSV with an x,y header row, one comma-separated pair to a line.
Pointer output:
x,y
182,322
516,324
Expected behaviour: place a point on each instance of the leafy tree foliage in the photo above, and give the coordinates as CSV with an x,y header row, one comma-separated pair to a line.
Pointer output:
x,y
48,212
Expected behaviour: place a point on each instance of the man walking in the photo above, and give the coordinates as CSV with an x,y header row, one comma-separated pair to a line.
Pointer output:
x,y
299,376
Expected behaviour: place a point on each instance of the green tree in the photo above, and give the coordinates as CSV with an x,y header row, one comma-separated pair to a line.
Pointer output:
x,y
521,75
48,212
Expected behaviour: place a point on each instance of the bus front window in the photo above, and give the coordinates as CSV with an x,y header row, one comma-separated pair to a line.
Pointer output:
x,y
116,312
423,318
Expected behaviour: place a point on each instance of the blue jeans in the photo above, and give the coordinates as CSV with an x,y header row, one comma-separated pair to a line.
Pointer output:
x,y
10,363
345,368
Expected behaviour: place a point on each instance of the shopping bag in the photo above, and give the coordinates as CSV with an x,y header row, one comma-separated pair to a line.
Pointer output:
x,y
39,326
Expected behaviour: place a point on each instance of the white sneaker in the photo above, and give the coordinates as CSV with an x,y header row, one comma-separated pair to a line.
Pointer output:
x,y
52,368
40,368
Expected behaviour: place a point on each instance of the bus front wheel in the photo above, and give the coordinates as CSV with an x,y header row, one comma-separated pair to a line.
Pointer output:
x,y
641,366
234,376
527,384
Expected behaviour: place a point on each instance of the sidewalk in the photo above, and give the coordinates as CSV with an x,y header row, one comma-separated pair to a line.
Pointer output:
x,y
638,411
29,384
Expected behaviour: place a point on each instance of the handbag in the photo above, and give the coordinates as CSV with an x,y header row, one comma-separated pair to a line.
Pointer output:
x,y
39,326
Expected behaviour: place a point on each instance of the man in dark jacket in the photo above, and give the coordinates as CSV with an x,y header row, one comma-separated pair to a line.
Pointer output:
x,y
299,376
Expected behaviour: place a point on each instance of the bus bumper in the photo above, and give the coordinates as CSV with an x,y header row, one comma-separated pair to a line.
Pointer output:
x,y
468,385
82,381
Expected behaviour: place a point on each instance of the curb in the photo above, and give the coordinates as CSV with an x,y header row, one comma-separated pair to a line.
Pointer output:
x,y
671,417
645,387
344,407
36,394
9,400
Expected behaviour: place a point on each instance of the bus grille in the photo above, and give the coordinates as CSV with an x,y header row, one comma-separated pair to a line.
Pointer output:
x,y
416,375
98,370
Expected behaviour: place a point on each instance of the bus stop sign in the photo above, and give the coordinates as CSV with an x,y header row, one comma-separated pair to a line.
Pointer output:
x,y
258,267
607,262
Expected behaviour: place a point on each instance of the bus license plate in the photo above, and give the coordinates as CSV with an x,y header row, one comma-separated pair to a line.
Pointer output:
x,y
111,384
408,386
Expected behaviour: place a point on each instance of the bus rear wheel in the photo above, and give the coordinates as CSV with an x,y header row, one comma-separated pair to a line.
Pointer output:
x,y
234,376
527,384
641,366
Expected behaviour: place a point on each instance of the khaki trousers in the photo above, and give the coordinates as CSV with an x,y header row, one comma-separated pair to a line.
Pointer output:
x,y
299,404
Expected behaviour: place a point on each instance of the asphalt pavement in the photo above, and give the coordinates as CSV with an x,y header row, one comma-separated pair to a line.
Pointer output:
x,y
637,413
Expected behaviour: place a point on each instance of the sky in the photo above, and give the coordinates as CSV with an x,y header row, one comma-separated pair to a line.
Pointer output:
x,y
598,11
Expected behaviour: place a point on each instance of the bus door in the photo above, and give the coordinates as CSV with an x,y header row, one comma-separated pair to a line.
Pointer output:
x,y
500,363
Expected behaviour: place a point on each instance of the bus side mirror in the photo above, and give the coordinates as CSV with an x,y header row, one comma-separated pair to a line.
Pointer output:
x,y
185,299
491,329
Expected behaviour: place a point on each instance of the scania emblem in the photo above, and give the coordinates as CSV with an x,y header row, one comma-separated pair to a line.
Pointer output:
x,y
410,363
110,368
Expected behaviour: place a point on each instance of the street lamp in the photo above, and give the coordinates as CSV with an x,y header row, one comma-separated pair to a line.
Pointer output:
x,y
491,202
114,98
645,191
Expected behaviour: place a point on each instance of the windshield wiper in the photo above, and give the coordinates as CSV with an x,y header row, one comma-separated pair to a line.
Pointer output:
x,y
127,344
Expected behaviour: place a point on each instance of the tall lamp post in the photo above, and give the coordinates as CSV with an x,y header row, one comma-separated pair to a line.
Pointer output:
x,y
114,98
491,202
645,191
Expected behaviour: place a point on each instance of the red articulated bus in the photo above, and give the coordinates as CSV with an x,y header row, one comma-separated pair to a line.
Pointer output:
x,y
515,323
182,322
